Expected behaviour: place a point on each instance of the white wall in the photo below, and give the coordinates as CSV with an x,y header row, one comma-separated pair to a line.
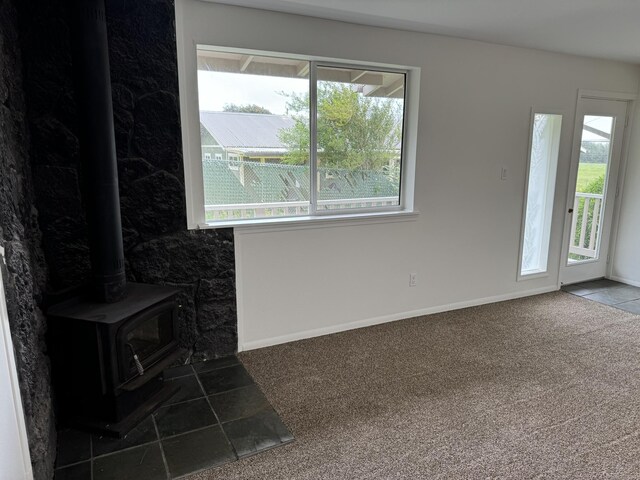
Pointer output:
x,y
626,260
475,103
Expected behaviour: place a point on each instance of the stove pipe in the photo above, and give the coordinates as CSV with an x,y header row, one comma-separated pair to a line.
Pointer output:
x,y
98,149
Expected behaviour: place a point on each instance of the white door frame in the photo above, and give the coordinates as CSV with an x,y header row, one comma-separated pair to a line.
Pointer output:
x,y
630,100
14,447
631,109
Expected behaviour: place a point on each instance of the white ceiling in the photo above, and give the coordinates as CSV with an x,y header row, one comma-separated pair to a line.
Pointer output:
x,y
596,28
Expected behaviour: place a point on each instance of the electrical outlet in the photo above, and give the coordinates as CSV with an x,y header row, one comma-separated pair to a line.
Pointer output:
x,y
413,279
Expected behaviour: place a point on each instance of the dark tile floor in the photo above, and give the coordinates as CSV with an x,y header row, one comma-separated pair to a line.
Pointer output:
x,y
609,292
218,416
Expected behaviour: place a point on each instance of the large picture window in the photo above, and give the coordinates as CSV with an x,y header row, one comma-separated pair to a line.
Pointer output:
x,y
291,137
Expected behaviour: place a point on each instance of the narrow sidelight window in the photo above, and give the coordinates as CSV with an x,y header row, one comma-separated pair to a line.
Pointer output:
x,y
540,190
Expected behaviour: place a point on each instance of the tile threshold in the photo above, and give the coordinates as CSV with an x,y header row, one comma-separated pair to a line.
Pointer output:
x,y
589,293
619,307
586,297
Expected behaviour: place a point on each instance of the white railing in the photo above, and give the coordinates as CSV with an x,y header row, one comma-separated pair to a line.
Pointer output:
x,y
281,209
586,218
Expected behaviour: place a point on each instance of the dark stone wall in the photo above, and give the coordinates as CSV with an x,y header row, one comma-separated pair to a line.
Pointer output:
x,y
24,273
158,247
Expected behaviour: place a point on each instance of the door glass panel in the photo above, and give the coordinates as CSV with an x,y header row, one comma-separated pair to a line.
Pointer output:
x,y
589,201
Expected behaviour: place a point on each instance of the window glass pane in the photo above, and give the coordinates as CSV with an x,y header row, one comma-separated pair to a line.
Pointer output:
x,y
543,162
359,138
254,138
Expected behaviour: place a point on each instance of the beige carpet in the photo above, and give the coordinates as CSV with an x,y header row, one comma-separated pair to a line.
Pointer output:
x,y
542,387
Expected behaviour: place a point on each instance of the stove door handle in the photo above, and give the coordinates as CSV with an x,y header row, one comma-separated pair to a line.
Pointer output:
x,y
136,360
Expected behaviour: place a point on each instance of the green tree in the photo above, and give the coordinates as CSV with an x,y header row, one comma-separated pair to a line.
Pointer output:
x,y
354,131
594,152
249,108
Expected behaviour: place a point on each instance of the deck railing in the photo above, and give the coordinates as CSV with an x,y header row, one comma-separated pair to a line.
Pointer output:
x,y
587,208
282,209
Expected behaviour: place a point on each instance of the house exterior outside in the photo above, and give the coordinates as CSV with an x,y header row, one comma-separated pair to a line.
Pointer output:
x,y
243,136
244,175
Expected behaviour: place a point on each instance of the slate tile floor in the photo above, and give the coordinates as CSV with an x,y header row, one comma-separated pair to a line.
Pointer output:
x,y
218,416
609,292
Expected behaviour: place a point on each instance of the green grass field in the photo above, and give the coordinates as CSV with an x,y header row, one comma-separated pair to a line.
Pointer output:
x,y
587,172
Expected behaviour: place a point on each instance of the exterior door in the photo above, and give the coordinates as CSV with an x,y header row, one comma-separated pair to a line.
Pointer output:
x,y
597,149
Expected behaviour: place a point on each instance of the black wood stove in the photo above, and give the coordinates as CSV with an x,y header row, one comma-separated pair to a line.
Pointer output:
x,y
108,358
108,347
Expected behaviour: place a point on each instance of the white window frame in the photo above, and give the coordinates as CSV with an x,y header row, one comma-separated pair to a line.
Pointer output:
x,y
542,273
189,41
313,157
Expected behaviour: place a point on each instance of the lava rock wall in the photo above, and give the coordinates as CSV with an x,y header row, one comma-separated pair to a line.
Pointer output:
x,y
24,273
158,247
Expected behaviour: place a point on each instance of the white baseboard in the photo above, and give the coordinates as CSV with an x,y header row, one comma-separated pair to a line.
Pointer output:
x,y
628,281
292,337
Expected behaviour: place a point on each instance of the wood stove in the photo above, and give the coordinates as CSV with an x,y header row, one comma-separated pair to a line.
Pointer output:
x,y
108,358
109,346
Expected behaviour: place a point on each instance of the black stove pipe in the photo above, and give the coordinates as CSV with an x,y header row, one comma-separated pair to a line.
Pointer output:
x,y
98,149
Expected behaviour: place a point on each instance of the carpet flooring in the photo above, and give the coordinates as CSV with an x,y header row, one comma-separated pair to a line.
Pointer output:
x,y
540,387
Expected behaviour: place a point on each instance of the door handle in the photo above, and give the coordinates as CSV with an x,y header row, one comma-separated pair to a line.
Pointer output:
x,y
571,210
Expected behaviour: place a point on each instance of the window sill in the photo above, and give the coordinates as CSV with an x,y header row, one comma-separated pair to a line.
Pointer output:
x,y
308,222
533,275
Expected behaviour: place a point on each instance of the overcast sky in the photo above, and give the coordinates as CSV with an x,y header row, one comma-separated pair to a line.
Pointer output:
x,y
217,88
600,123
